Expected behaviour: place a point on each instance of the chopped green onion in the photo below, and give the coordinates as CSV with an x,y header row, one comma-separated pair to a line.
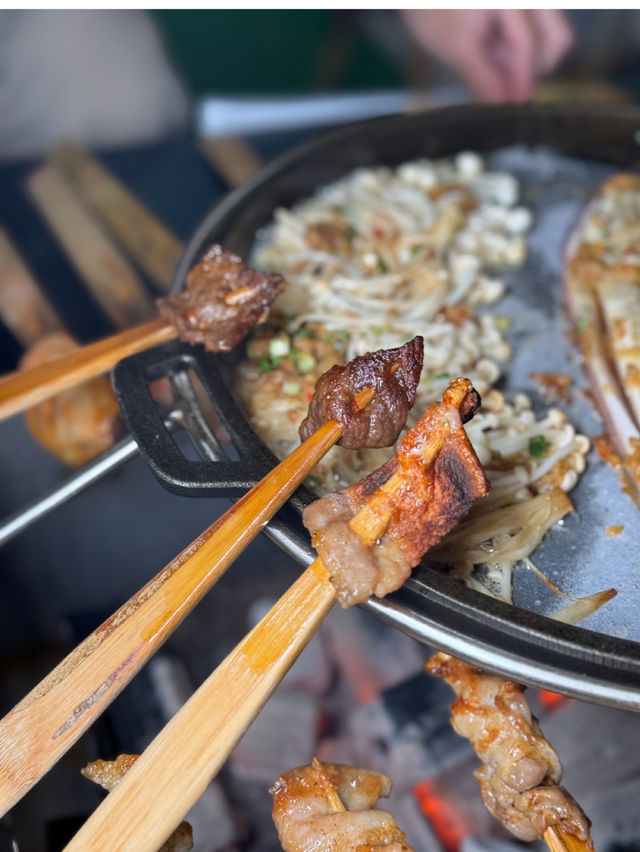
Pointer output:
x,y
276,360
382,266
291,388
415,250
343,336
338,208
351,233
443,376
265,364
377,330
502,323
279,347
583,320
327,337
538,446
306,362
305,332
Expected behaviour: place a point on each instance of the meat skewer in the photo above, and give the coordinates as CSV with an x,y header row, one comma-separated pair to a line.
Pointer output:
x,y
308,806
192,747
79,423
519,779
39,729
108,773
221,300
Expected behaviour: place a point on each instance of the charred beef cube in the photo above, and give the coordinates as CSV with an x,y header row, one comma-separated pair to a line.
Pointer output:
x,y
221,300
392,375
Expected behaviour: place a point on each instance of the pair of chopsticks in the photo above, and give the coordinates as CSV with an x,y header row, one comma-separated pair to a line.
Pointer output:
x,y
38,731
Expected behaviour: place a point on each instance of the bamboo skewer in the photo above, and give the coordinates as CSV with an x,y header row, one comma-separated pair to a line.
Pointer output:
x,y
35,734
191,748
336,803
561,841
29,387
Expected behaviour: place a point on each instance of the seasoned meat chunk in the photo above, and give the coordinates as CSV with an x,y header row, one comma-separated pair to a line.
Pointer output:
x,y
77,424
108,773
392,375
422,492
307,821
221,300
519,779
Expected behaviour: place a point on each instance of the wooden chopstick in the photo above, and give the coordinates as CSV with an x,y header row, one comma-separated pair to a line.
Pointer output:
x,y
24,308
23,389
105,270
147,240
35,734
233,158
173,772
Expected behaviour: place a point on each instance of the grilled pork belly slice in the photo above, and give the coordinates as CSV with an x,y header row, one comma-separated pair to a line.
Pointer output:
x,y
423,491
307,819
107,773
221,300
392,375
519,779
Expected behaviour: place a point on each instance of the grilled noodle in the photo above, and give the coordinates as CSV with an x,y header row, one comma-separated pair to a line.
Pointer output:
x,y
375,259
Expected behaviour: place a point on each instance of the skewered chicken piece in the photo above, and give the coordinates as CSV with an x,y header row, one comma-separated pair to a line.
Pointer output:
x,y
421,492
331,806
79,423
519,779
107,773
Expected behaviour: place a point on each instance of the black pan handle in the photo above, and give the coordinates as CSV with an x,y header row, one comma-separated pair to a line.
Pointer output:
x,y
221,469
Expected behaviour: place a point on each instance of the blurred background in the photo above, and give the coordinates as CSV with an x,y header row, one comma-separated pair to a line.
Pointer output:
x,y
172,109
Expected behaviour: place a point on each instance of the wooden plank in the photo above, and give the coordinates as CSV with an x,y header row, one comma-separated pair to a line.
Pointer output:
x,y
24,308
150,243
111,279
232,158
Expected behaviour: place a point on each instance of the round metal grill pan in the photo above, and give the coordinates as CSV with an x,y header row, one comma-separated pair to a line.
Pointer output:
x,y
560,154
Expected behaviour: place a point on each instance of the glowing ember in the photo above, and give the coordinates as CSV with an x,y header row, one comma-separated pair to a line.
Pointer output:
x,y
447,822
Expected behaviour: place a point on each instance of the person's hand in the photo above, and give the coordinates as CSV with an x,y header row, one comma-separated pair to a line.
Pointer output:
x,y
500,53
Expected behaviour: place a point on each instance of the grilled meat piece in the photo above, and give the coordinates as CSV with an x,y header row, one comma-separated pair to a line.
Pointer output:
x,y
221,300
78,423
521,771
107,773
392,375
424,490
307,821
